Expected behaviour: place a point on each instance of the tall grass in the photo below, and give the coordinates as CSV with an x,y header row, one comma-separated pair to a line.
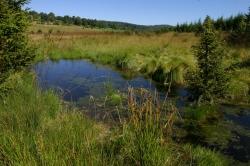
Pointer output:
x,y
37,129
238,66
165,57
66,29
140,53
145,138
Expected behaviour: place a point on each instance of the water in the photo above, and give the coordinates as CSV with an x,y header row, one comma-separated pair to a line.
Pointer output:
x,y
77,80
239,147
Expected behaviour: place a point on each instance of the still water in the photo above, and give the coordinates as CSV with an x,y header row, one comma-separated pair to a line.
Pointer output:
x,y
77,80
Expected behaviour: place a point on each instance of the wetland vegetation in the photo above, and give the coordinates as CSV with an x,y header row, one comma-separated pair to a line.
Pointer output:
x,y
108,96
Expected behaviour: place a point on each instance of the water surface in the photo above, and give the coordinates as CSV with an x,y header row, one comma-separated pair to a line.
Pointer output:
x,y
78,80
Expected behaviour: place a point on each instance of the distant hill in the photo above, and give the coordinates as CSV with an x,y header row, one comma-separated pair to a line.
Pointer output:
x,y
51,18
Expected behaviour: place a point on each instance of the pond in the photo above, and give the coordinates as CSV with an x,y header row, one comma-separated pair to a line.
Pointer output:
x,y
76,80
79,80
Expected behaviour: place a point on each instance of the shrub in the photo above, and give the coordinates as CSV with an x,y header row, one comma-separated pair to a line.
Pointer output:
x,y
50,31
39,31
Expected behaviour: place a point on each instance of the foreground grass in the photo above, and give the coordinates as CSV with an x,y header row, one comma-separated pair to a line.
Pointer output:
x,y
37,129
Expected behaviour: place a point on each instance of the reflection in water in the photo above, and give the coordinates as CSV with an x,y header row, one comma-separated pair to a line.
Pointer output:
x,y
77,80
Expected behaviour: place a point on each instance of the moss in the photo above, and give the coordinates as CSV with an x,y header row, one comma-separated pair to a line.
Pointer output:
x,y
205,125
115,99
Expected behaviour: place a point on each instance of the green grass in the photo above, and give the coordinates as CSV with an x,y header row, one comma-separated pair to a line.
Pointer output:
x,y
133,146
166,57
239,86
65,29
140,53
37,129
205,125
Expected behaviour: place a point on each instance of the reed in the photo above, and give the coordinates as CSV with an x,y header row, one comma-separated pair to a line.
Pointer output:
x,y
36,128
145,136
140,53
165,57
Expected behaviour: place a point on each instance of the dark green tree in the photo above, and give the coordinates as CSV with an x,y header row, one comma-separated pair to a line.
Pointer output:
x,y
209,82
248,27
51,17
14,50
238,35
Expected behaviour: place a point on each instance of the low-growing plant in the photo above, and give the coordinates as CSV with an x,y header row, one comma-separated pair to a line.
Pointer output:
x,y
39,31
50,31
145,137
204,126
37,129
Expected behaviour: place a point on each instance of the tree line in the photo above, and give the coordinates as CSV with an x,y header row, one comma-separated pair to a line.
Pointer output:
x,y
51,18
237,25
238,28
229,24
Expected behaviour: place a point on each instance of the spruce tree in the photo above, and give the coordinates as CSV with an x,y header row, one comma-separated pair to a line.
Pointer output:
x,y
14,50
247,35
238,35
209,82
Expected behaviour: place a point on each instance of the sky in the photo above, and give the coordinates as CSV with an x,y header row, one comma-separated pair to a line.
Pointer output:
x,y
144,12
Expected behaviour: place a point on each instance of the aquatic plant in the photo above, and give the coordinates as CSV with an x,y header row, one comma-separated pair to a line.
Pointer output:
x,y
204,125
145,138
145,54
37,129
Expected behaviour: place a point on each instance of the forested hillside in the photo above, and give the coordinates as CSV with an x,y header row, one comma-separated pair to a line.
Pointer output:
x,y
51,18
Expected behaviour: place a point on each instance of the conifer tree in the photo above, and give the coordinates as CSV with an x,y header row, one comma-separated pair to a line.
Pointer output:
x,y
210,80
14,50
248,27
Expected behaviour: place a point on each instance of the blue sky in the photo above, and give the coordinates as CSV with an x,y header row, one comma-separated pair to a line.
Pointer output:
x,y
146,12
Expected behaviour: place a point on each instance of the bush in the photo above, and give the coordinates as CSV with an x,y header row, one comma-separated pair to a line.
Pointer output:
x,y
39,31
50,31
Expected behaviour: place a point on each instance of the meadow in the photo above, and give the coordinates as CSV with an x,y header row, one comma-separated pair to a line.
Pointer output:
x,y
164,57
77,91
38,128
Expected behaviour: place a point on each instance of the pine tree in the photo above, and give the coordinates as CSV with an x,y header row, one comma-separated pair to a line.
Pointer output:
x,y
248,27
14,52
210,81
